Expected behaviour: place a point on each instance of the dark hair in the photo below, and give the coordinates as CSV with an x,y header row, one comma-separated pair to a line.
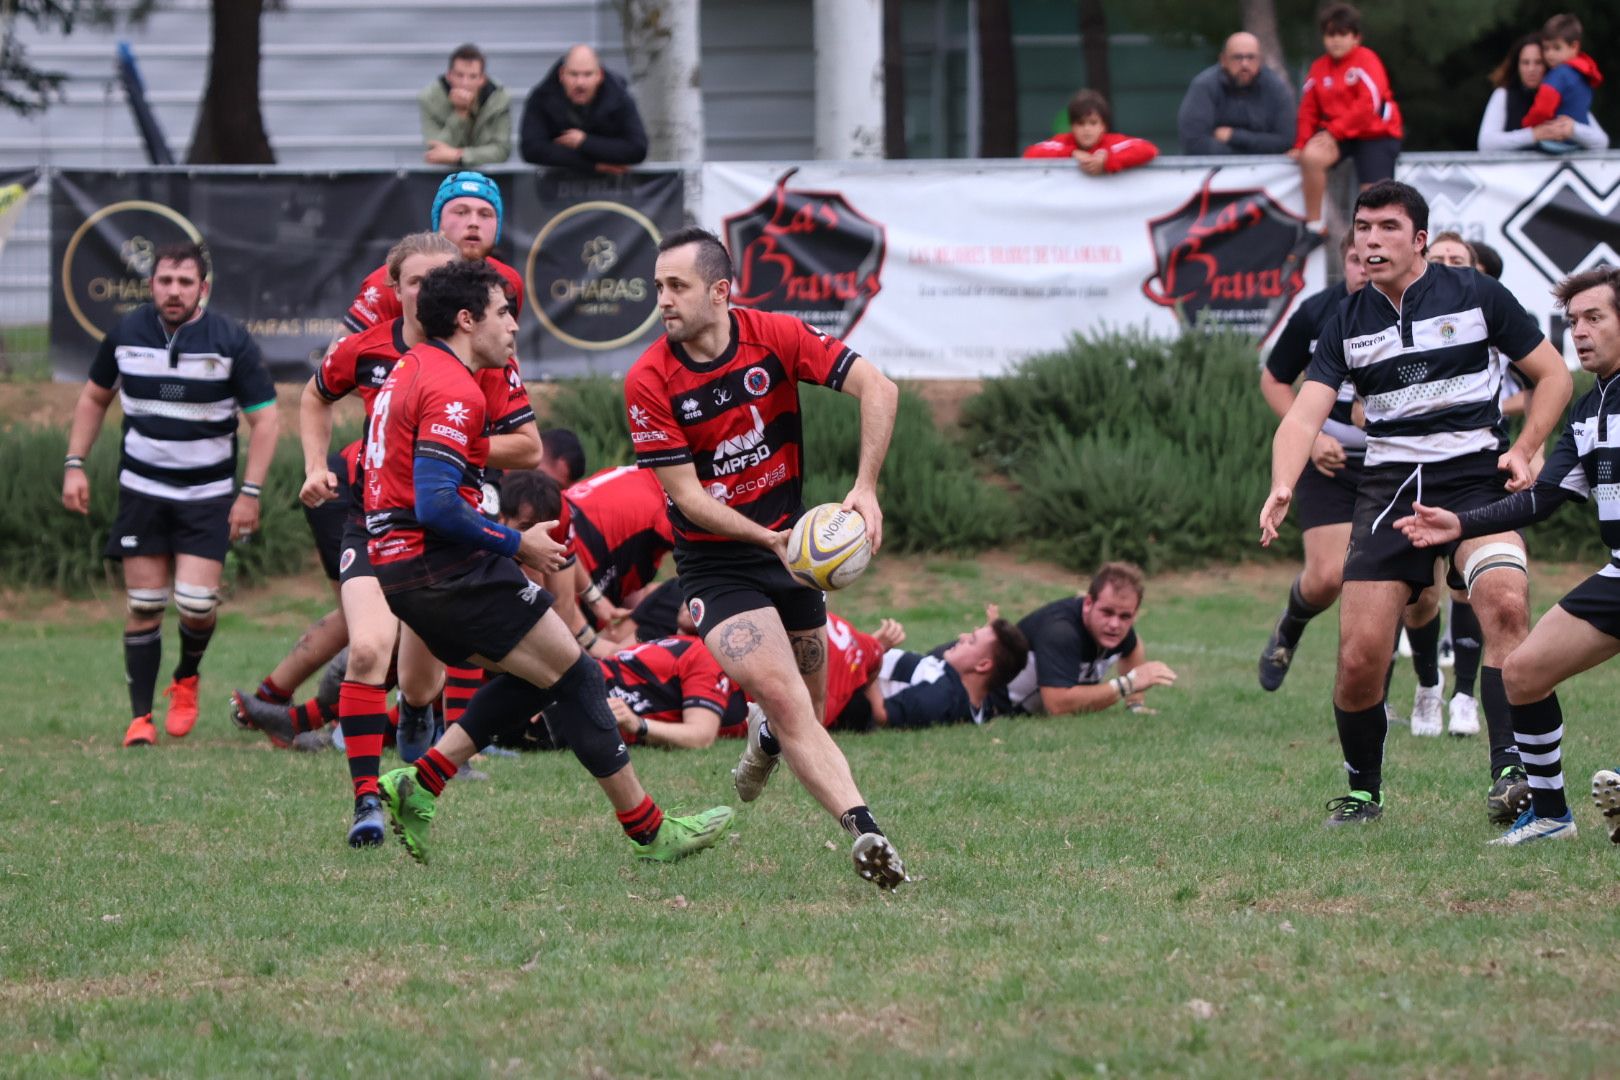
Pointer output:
x,y
1506,73
1086,102
1008,655
1339,19
533,489
184,251
1120,575
563,445
468,52
1576,284
1490,262
1565,28
453,288
713,261
1394,193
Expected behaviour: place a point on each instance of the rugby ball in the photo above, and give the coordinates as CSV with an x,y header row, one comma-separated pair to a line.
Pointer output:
x,y
827,548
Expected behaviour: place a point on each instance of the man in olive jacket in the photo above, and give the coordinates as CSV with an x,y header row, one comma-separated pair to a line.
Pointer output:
x,y
466,118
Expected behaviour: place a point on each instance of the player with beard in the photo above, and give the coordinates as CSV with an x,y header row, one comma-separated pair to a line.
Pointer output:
x,y
1417,345
449,573
184,375
714,409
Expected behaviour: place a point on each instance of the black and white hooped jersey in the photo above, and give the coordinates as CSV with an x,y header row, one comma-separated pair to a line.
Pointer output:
x,y
1062,653
1291,354
1585,463
922,690
1423,368
180,397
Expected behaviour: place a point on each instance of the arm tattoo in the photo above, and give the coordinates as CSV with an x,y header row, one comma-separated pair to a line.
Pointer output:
x,y
810,653
739,639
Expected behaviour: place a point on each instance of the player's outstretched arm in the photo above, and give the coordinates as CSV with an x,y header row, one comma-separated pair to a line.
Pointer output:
x,y
1291,449
880,401
711,515
1143,674
88,414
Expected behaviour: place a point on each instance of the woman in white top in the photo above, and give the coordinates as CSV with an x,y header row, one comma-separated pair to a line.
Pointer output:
x,y
1516,79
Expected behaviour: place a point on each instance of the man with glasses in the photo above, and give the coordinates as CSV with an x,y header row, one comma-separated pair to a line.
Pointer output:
x,y
1238,106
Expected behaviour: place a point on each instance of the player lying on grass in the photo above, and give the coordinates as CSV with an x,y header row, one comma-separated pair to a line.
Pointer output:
x,y
453,577
1583,630
1073,643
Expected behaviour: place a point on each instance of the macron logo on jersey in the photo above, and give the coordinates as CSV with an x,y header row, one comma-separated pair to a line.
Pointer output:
x,y
743,451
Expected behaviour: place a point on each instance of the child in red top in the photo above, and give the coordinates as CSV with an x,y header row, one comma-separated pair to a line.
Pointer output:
x,y
1346,108
1089,141
1572,75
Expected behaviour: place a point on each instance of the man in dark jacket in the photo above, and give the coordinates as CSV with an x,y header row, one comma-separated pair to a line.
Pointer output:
x,y
581,117
1237,106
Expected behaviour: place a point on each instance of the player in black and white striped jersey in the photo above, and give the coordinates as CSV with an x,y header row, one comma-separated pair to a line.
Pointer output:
x,y
183,375
1417,345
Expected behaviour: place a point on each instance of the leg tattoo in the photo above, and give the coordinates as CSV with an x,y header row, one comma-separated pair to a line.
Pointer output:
x,y
810,654
739,639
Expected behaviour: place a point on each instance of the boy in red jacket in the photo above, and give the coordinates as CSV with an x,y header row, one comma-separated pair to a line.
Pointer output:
x,y
1346,108
1089,141
1571,77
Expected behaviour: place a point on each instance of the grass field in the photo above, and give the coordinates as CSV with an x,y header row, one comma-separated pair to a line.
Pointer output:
x,y
1105,895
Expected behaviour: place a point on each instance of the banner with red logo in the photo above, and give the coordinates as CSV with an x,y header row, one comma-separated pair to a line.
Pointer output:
x,y
960,269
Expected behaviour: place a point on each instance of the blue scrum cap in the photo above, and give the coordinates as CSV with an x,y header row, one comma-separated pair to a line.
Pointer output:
x,y
472,185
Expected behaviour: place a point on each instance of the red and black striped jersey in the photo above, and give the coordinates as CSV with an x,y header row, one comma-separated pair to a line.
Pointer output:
x,y
735,418
660,679
853,660
377,302
429,406
621,528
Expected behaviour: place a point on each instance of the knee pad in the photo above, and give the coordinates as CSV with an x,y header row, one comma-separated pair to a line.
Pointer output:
x,y
195,601
1498,556
582,718
147,601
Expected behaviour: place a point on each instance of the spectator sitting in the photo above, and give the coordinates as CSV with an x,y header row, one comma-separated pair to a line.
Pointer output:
x,y
1089,141
1237,106
1521,96
1571,77
582,117
1345,108
466,118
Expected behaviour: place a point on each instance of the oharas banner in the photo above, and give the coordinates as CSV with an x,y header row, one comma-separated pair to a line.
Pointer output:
x,y
290,251
958,269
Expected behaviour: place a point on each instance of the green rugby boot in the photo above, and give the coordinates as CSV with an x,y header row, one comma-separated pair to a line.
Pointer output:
x,y
679,837
410,809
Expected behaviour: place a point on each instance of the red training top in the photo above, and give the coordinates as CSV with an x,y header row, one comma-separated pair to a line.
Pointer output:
x,y
1124,151
1349,99
621,528
735,418
853,660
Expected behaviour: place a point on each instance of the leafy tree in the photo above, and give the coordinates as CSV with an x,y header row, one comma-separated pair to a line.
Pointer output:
x,y
25,88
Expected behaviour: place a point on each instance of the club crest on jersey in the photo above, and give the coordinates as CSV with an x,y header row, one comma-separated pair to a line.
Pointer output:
x,y
757,381
809,254
1448,330
1229,260
695,607
346,561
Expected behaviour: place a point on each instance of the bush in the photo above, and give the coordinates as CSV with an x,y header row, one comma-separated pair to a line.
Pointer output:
x,y
594,410
1130,446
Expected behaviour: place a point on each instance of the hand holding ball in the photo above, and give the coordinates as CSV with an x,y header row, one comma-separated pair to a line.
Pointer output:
x,y
828,548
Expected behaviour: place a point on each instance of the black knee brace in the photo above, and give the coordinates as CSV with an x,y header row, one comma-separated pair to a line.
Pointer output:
x,y
585,722
505,703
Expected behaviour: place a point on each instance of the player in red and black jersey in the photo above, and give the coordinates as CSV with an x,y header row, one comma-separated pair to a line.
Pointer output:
x,y
468,210
714,409
672,692
621,535
449,573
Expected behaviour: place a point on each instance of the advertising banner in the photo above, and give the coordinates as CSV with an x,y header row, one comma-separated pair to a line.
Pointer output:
x,y
290,250
1547,218
960,269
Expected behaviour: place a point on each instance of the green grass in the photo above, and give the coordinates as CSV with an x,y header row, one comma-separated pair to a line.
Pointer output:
x,y
1119,895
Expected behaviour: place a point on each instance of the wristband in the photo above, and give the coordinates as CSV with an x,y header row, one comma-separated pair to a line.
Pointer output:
x,y
251,490
73,461
641,727
591,593
1118,683
585,636
1135,706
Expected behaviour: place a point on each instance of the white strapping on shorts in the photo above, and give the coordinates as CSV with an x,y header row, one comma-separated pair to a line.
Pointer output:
x,y
1417,474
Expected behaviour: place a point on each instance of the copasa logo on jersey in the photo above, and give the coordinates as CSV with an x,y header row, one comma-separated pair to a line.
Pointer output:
x,y
809,254
1229,260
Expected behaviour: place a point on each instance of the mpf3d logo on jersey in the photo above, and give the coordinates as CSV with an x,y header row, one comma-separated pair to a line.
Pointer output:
x,y
1229,260
1568,225
809,254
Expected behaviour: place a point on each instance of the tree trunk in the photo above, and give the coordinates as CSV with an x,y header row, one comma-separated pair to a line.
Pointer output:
x,y
661,40
1260,19
230,125
1094,48
894,81
998,81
